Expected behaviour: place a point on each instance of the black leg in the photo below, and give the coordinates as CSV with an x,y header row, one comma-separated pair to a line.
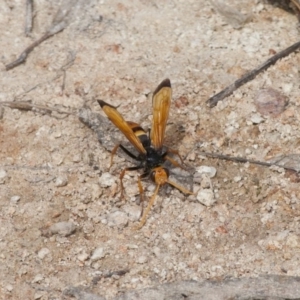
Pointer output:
x,y
130,154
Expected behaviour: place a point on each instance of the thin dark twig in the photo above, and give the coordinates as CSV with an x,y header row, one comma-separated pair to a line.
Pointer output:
x,y
22,105
96,279
29,17
251,75
244,160
59,23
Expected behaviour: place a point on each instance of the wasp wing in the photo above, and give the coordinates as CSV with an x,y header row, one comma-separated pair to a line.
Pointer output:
x,y
161,106
116,118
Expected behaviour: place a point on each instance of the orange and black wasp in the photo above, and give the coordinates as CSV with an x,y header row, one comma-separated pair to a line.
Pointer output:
x,y
152,153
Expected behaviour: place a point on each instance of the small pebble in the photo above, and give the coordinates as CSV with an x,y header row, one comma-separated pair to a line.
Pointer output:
x,y
270,102
118,218
39,295
293,241
63,228
61,181
106,180
96,191
57,134
37,278
237,178
156,251
76,158
133,211
57,158
15,199
206,197
43,253
256,119
9,288
142,259
207,170
83,256
3,175
98,253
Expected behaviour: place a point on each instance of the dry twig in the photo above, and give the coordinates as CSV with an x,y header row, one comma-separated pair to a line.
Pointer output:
x,y
245,160
29,17
251,75
59,23
27,106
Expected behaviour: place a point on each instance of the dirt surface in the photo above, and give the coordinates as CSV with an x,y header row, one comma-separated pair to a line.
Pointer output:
x,y
62,222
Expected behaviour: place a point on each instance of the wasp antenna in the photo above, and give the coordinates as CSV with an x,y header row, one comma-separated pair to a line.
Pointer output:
x,y
165,83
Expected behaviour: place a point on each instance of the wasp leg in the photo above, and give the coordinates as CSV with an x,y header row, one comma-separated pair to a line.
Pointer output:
x,y
114,151
175,152
130,154
141,190
145,213
122,174
180,188
173,161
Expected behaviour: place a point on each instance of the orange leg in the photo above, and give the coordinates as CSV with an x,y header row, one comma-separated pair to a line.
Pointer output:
x,y
180,188
174,162
113,152
146,212
176,153
141,190
122,174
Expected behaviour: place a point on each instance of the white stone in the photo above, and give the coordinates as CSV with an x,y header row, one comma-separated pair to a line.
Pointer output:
x,y
83,256
133,211
15,199
156,251
43,253
118,218
206,197
207,170
9,287
37,278
98,253
256,119
106,180
142,259
63,228
61,181
3,174
237,178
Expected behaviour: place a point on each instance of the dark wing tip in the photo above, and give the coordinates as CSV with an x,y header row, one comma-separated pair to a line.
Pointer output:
x,y
103,103
165,83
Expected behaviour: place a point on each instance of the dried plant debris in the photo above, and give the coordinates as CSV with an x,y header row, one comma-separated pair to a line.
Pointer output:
x,y
290,161
263,287
29,17
59,23
288,5
231,15
212,101
27,106
270,102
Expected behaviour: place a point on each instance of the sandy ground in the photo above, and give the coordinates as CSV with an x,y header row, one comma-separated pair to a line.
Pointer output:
x,y
53,168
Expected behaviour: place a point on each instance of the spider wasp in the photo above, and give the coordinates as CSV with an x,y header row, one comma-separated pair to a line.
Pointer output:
x,y
152,153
